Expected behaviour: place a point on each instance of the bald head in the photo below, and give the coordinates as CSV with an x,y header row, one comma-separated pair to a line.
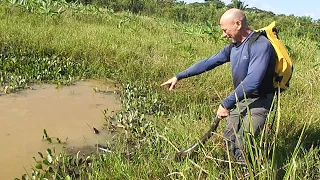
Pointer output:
x,y
233,15
234,25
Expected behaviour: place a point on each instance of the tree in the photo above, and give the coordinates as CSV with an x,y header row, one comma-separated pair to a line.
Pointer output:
x,y
217,3
238,4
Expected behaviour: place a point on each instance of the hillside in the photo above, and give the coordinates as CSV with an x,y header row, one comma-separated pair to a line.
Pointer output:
x,y
69,42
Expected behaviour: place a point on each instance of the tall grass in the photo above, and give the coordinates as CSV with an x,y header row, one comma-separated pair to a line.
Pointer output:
x,y
140,53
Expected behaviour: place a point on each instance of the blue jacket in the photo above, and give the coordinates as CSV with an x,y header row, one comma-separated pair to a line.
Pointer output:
x,y
252,75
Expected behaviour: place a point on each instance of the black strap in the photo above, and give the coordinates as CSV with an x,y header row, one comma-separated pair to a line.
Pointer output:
x,y
256,35
252,39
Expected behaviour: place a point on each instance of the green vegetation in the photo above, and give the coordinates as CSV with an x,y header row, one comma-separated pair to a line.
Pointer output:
x,y
60,42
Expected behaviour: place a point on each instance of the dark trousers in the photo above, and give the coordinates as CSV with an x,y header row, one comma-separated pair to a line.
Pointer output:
x,y
240,122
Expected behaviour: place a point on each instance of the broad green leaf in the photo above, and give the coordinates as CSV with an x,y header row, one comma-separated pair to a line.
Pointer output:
x,y
46,162
39,166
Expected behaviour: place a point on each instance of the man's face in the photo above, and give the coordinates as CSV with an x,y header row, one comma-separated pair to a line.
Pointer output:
x,y
230,30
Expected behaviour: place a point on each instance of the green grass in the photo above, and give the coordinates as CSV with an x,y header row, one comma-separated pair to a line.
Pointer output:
x,y
140,53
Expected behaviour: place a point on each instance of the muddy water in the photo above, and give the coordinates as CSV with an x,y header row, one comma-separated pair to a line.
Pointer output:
x,y
68,113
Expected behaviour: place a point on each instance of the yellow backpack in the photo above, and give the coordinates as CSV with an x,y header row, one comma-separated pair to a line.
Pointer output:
x,y
284,67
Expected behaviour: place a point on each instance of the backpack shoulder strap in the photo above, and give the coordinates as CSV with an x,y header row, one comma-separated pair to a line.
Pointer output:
x,y
252,39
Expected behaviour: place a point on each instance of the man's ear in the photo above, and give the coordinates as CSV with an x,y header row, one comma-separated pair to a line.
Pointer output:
x,y
239,24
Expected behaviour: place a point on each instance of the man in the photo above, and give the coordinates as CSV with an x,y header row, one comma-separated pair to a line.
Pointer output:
x,y
252,78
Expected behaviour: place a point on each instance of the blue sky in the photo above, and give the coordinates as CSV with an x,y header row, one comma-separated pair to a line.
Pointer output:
x,y
298,8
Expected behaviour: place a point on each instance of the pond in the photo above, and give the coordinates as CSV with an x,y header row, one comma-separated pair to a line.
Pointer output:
x,y
69,113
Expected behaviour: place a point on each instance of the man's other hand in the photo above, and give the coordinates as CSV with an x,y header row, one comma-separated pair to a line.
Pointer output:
x,y
171,83
222,112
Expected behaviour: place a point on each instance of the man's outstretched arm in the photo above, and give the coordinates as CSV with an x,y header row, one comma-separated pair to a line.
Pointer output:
x,y
207,64
200,67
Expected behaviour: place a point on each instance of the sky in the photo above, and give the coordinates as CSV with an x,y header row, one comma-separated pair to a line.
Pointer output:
x,y
297,7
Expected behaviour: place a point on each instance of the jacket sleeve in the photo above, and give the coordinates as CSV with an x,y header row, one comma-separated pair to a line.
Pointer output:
x,y
207,64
